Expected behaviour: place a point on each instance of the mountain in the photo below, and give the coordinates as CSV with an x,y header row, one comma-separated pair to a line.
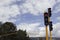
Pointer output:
x,y
43,38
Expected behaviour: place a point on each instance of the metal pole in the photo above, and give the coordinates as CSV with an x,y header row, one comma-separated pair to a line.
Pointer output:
x,y
46,33
50,31
50,35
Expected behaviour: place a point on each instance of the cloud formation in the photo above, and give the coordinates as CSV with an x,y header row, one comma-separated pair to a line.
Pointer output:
x,y
32,29
38,6
6,12
34,7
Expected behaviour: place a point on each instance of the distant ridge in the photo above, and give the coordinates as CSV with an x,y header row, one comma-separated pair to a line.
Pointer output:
x,y
43,38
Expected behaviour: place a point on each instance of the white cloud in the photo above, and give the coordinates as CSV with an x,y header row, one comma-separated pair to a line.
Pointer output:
x,y
32,6
5,2
27,27
57,0
32,29
36,6
6,12
58,18
42,32
57,8
56,30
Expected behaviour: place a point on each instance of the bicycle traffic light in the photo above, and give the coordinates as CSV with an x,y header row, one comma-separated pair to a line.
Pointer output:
x,y
46,18
50,26
49,12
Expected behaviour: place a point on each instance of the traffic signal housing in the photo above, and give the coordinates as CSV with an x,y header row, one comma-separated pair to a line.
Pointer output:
x,y
50,26
49,12
46,18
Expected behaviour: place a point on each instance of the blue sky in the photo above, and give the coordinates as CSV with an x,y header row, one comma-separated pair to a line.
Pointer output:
x,y
28,15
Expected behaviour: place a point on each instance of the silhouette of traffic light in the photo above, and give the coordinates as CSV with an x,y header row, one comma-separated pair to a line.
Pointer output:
x,y
50,26
49,12
46,18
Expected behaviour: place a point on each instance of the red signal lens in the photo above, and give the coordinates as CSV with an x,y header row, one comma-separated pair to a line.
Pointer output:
x,y
45,14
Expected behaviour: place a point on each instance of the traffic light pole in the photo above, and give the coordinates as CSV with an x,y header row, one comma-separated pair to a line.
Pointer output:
x,y
46,32
50,31
50,35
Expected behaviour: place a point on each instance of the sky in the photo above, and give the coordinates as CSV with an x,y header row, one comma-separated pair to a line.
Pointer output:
x,y
28,15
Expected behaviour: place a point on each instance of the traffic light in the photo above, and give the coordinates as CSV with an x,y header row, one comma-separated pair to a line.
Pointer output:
x,y
49,12
50,26
46,18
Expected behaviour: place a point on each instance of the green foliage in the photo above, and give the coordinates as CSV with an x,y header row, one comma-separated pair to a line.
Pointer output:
x,y
8,31
21,35
8,27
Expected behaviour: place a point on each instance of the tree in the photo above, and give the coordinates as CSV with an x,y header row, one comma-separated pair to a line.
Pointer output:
x,y
0,28
20,35
9,31
8,27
